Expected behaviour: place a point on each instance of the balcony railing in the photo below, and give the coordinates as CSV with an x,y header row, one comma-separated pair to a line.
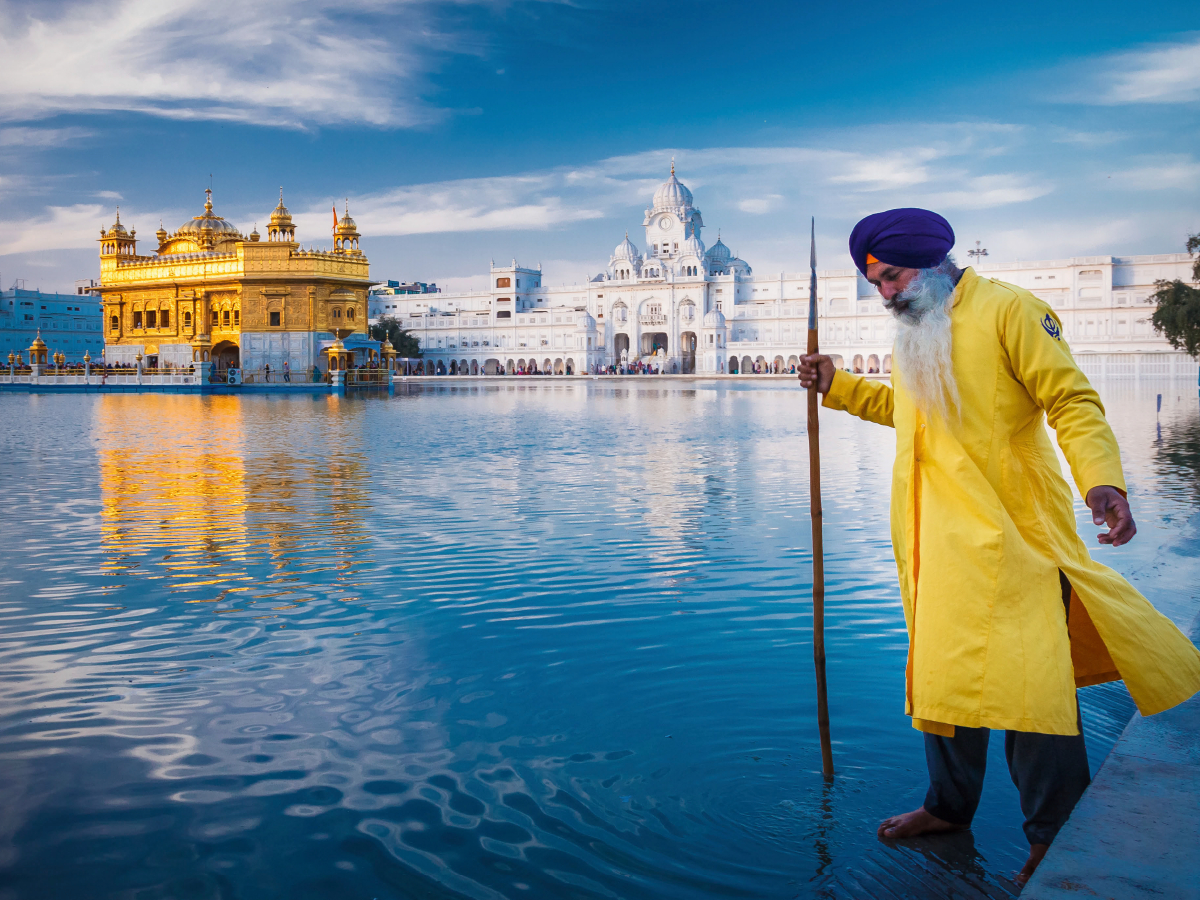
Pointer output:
x,y
653,319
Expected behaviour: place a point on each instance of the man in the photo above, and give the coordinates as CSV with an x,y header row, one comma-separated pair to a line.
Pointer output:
x,y
1007,612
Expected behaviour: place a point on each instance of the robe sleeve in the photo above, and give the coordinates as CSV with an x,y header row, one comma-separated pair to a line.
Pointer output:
x,y
1042,362
862,397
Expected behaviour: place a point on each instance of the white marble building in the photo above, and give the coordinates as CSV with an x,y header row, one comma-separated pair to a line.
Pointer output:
x,y
686,308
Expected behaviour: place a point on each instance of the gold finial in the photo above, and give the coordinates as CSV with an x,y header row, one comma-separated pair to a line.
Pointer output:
x,y
672,166
118,215
208,201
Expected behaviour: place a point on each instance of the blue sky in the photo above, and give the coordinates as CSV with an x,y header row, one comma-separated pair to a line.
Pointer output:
x,y
466,131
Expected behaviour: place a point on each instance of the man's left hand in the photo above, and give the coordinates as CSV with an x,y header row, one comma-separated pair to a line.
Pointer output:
x,y
1109,506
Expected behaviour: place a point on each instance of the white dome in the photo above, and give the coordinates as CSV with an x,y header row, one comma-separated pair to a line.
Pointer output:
x,y
672,193
626,249
718,252
585,323
694,245
714,318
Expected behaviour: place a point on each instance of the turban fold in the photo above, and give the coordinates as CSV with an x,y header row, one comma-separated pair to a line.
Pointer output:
x,y
910,237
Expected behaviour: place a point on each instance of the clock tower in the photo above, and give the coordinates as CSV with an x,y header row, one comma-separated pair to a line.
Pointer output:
x,y
671,219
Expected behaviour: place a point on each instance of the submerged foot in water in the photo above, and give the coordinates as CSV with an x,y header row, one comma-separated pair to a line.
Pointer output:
x,y
1036,853
914,823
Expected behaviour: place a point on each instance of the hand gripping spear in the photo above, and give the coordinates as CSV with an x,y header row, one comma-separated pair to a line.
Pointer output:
x,y
814,506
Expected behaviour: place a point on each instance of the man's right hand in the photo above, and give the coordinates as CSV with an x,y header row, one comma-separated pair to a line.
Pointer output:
x,y
817,369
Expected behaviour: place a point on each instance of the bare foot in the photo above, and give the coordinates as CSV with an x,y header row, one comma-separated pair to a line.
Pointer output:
x,y
1036,853
914,823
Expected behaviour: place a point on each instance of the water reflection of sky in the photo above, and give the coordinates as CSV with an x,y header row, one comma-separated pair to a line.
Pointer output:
x,y
482,641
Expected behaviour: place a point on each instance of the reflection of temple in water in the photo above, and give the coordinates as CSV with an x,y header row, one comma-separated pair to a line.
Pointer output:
x,y
214,492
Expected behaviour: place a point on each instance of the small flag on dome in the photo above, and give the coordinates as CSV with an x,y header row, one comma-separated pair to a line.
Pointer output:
x,y
334,208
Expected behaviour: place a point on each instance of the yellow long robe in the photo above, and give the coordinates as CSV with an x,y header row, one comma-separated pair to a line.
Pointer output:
x,y
982,520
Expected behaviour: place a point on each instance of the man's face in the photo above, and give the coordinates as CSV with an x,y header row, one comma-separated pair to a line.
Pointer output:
x,y
890,281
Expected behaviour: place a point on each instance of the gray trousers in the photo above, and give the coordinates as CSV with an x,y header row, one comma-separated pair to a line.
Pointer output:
x,y
1049,770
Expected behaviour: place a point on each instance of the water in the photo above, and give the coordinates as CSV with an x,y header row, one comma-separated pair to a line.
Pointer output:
x,y
498,640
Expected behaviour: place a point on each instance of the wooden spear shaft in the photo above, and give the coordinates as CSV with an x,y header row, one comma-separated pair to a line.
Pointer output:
x,y
814,505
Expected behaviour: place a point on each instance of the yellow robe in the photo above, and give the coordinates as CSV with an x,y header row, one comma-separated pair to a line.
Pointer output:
x,y
982,520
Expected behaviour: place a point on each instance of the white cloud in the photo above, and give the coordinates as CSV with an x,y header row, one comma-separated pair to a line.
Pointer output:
x,y
517,203
272,62
989,191
41,137
1176,172
758,206
1167,73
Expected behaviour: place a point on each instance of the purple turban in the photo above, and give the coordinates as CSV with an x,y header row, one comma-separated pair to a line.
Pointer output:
x,y
913,238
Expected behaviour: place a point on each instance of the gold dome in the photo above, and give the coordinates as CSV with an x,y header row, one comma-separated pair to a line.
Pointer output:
x,y
280,213
209,221
117,227
346,224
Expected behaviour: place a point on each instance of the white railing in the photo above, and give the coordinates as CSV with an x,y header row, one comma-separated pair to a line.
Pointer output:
x,y
101,378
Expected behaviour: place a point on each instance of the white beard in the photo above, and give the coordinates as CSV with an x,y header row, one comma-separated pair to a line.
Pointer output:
x,y
923,342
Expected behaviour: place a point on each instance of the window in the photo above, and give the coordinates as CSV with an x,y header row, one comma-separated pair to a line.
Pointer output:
x,y
166,318
216,317
237,317
337,313
503,282
225,317
114,323
137,319
350,313
187,319
504,314
275,319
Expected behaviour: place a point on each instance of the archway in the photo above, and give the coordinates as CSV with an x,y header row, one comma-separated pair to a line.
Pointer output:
x,y
777,365
747,367
546,370
653,341
453,367
620,347
733,365
793,363
558,366
463,367
760,365
873,364
474,367
441,368
838,361
510,367
570,366
226,354
858,363
687,347
887,363
491,367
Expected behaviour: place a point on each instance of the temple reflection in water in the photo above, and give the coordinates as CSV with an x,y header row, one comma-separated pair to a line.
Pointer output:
x,y
187,497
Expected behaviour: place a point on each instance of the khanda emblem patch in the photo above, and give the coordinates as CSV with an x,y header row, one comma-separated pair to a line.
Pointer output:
x,y
1052,327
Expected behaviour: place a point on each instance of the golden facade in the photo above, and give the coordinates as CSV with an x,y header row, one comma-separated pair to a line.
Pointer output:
x,y
213,295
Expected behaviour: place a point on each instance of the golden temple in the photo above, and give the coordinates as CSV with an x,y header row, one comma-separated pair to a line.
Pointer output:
x,y
211,295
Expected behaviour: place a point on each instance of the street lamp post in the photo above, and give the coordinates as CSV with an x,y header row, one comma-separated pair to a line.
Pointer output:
x,y
978,253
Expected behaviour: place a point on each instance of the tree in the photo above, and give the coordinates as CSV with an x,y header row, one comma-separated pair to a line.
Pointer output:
x,y
1177,313
406,344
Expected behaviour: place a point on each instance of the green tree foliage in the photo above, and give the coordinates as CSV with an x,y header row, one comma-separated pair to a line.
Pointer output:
x,y
1177,316
404,341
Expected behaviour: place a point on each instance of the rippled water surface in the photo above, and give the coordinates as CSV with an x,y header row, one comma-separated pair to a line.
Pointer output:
x,y
483,640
